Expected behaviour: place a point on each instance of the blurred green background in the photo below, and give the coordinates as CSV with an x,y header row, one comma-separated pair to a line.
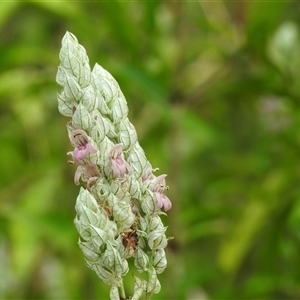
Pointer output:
x,y
213,89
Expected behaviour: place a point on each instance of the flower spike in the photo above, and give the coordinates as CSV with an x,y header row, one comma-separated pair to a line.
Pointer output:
x,y
118,208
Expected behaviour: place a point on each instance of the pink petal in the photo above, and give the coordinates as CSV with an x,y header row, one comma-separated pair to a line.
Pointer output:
x,y
163,201
116,151
77,175
159,183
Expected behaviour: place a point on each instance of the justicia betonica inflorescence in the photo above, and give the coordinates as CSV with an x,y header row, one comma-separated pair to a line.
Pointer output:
x,y
120,202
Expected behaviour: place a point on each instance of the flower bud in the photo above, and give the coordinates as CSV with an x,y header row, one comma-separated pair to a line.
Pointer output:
x,y
157,239
159,260
82,119
65,105
149,203
72,89
134,188
89,99
123,215
137,160
119,110
103,108
140,285
101,190
153,285
106,275
112,260
155,223
141,260
127,134
89,251
99,130
120,189
98,236
106,84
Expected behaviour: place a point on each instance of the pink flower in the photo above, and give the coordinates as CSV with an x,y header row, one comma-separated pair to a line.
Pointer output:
x,y
82,145
118,164
88,173
158,186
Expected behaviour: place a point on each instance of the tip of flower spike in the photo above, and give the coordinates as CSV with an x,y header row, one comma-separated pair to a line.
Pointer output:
x,y
69,35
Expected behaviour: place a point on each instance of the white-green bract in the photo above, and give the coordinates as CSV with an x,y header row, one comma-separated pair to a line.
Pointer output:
x,y
120,202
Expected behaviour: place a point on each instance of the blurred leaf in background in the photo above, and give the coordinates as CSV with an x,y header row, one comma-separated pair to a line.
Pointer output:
x,y
213,90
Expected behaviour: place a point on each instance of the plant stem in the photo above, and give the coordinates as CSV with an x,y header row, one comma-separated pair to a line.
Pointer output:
x,y
122,291
149,294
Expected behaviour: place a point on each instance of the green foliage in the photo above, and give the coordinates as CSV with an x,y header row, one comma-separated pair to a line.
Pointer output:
x,y
213,90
